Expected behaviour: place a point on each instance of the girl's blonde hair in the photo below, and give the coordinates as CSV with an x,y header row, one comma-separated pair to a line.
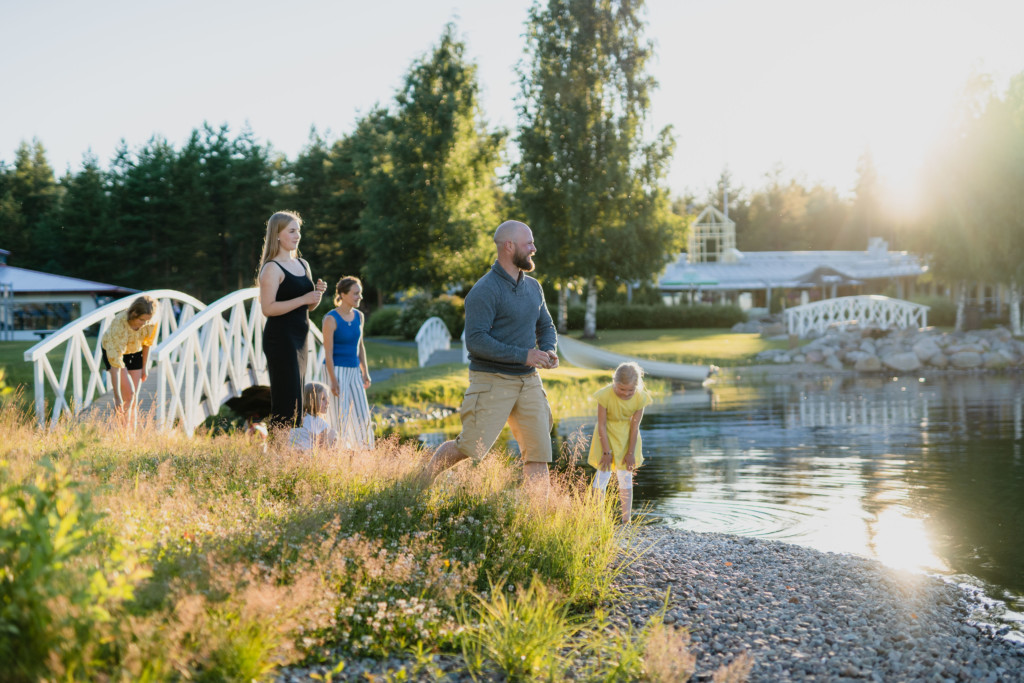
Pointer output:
x,y
344,285
278,222
143,305
629,374
314,398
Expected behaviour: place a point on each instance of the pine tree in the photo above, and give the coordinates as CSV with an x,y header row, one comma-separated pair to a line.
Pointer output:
x,y
429,178
85,218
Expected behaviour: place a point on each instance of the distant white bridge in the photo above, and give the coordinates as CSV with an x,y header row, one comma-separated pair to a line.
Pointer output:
x,y
866,310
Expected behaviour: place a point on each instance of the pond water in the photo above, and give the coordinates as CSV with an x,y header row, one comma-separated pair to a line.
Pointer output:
x,y
923,474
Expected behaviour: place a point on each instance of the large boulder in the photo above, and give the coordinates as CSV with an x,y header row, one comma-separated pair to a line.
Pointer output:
x,y
939,360
855,356
996,359
904,361
868,364
965,359
925,349
773,330
833,363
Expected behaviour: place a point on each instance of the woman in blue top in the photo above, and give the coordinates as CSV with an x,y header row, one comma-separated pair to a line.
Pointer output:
x,y
346,356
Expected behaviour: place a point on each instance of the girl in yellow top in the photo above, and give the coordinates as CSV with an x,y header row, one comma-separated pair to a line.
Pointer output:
x,y
126,346
616,445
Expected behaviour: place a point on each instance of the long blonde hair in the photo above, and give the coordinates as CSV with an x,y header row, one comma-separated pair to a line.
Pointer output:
x,y
278,222
629,374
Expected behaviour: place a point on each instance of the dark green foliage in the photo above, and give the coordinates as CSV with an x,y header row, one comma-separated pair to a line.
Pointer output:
x,y
29,205
85,218
383,322
326,192
652,317
588,182
428,177
60,576
942,311
450,309
190,219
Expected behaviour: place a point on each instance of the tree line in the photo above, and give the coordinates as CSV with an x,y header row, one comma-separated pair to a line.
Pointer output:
x,y
409,198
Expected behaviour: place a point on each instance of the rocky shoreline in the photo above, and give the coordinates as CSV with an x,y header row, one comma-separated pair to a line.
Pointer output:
x,y
802,614
870,350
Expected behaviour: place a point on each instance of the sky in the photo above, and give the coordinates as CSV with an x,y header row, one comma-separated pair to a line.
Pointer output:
x,y
750,85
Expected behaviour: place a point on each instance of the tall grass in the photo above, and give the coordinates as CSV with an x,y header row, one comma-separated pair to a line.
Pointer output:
x,y
159,557
154,557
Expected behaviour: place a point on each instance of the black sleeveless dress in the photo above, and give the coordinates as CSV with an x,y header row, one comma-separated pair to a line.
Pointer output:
x,y
284,345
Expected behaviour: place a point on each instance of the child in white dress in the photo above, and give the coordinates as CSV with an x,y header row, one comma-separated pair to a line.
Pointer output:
x,y
315,431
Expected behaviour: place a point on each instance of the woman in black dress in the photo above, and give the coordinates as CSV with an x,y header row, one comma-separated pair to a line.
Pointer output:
x,y
287,295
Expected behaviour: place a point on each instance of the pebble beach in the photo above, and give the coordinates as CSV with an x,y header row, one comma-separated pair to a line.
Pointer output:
x,y
801,614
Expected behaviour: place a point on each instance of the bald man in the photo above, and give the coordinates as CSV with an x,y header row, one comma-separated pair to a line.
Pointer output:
x,y
509,335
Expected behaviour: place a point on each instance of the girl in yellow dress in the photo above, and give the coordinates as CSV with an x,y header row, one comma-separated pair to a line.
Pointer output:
x,y
616,446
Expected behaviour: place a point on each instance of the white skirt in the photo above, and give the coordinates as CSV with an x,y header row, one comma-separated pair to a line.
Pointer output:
x,y
350,413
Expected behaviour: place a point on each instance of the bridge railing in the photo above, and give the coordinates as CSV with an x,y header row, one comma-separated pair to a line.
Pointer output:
x,y
867,310
433,336
82,367
216,356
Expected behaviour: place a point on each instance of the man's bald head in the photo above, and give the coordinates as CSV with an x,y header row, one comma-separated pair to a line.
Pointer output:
x,y
509,231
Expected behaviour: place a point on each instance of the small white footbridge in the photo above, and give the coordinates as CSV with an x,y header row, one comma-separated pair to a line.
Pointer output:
x,y
207,354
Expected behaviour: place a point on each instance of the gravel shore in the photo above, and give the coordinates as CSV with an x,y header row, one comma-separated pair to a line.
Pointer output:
x,y
803,615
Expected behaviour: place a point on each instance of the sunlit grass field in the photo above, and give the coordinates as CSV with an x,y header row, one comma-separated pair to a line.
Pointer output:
x,y
160,557
699,346
568,387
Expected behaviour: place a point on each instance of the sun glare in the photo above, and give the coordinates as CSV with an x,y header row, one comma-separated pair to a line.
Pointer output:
x,y
903,542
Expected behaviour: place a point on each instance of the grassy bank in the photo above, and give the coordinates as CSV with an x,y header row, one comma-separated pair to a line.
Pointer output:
x,y
700,346
568,387
160,557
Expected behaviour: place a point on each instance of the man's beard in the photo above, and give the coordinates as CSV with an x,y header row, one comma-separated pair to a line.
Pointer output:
x,y
522,261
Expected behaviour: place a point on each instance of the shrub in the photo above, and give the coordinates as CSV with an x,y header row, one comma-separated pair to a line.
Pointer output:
x,y
450,309
639,317
942,311
383,322
61,577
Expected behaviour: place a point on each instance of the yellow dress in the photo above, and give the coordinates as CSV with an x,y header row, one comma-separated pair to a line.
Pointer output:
x,y
619,413
120,339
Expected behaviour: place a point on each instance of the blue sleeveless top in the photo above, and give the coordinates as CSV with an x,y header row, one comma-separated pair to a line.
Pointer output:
x,y
346,340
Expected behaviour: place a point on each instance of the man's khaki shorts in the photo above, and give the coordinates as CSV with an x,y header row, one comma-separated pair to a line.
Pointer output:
x,y
493,399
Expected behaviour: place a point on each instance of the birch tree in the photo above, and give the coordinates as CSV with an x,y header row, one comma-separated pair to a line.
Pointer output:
x,y
589,180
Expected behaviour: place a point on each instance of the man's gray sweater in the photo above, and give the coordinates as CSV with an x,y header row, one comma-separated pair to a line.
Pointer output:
x,y
504,320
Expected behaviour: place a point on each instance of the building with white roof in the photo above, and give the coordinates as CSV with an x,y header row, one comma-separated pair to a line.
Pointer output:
x,y
714,269
33,303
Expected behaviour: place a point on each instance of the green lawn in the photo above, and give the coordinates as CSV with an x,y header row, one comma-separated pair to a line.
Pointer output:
x,y
567,387
18,373
699,345
382,355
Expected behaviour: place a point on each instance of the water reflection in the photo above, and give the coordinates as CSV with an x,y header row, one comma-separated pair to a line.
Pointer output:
x,y
919,474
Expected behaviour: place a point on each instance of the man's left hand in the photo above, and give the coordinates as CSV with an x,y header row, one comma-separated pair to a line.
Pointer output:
x,y
554,360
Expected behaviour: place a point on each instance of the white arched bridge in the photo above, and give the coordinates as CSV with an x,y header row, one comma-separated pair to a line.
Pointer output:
x,y
868,310
204,355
